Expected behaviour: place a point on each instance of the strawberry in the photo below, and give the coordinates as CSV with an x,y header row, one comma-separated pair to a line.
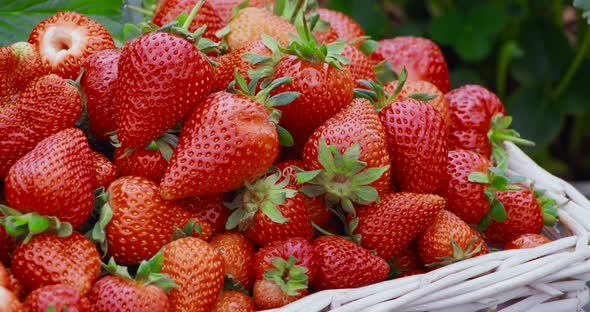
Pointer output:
x,y
527,240
478,122
9,301
65,39
168,10
98,84
48,259
15,286
190,223
217,138
224,8
523,215
265,259
389,226
422,58
145,162
360,65
466,199
197,268
60,297
449,239
237,252
210,209
44,107
4,277
183,75
267,211
404,263
237,59
251,22
105,171
54,179
20,63
344,264
268,295
346,27
119,292
234,301
7,245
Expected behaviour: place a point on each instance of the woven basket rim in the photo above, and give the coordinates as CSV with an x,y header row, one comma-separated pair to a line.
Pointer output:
x,y
551,277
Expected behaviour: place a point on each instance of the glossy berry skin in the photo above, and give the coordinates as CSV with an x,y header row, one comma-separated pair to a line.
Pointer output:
x,y
360,65
141,162
422,58
197,268
66,39
228,63
344,264
297,247
251,22
54,179
325,90
237,252
98,84
105,171
9,301
524,216
389,226
115,294
59,297
161,79
20,63
417,140
46,106
210,209
472,108
234,301
168,10
48,260
435,241
527,240
346,28
356,123
268,295
214,153
464,198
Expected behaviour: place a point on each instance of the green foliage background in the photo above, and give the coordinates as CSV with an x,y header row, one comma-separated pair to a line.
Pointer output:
x,y
534,54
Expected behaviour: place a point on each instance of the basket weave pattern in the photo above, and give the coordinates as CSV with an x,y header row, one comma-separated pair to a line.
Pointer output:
x,y
551,277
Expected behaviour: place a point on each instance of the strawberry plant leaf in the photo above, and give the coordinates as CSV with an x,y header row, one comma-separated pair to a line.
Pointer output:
x,y
17,18
497,211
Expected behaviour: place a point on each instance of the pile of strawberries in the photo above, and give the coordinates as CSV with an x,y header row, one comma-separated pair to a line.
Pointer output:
x,y
243,165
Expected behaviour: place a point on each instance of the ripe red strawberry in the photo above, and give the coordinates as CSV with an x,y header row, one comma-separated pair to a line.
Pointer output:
x,y
466,199
15,286
44,107
527,240
105,171
168,10
141,162
190,223
54,179
9,301
251,22
228,63
422,58
404,263
215,145
61,297
360,65
268,295
161,79
224,7
417,140
449,239
20,63
4,277
7,245
344,264
98,84
234,301
66,39
237,252
197,268
296,247
524,215
358,123
346,27
48,259
119,292
389,226
209,208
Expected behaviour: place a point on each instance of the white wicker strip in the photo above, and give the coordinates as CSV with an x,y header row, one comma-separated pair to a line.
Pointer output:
x,y
548,278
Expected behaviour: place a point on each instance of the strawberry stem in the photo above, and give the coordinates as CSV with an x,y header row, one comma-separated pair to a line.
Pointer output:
x,y
144,12
192,15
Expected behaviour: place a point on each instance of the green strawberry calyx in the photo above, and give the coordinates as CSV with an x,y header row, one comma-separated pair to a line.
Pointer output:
x,y
496,180
548,205
458,253
103,210
344,179
165,143
191,228
291,278
25,226
500,132
264,196
147,274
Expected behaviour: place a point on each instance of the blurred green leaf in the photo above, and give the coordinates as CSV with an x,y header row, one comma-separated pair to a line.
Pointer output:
x,y
575,98
460,77
17,18
473,48
368,13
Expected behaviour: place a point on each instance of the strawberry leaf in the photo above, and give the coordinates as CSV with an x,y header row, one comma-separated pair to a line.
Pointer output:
x,y
497,211
285,138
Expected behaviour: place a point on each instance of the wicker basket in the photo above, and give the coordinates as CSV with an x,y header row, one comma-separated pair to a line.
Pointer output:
x,y
548,278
